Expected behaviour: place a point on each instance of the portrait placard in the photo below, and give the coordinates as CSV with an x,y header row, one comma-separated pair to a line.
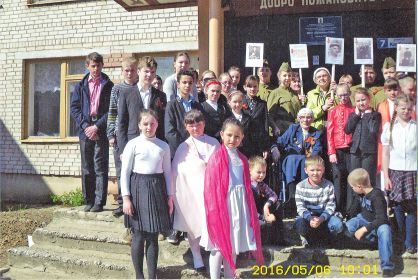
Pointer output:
x,y
406,60
363,50
254,55
334,50
298,56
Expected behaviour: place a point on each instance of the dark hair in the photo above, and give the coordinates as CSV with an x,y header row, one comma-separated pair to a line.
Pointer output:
x,y
184,73
391,83
193,116
147,61
232,121
181,54
250,79
362,90
95,57
159,78
234,68
148,112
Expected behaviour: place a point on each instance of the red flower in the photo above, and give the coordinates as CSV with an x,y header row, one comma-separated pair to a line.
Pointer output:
x,y
245,106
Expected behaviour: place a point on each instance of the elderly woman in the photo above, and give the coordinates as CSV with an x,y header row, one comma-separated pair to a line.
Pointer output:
x,y
297,143
320,99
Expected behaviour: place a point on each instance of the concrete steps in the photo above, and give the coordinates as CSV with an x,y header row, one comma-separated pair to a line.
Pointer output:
x,y
91,246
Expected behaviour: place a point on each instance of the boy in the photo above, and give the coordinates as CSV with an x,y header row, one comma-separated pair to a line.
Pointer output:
x,y
372,221
130,76
89,107
315,203
266,202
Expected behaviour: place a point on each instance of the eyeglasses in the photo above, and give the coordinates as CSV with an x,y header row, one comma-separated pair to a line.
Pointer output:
x,y
227,83
344,94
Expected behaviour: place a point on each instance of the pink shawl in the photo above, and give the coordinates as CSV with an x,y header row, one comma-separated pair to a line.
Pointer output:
x,y
215,194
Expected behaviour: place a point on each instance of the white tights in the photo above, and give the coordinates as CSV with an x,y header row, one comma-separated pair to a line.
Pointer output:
x,y
195,248
215,262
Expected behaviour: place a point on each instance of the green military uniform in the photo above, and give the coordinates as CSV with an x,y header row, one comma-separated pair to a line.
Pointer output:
x,y
315,102
376,94
264,91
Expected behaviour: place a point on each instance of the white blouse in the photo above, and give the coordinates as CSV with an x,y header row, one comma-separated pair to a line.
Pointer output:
x,y
145,156
403,152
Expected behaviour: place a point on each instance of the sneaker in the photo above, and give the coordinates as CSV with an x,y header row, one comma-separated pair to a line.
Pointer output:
x,y
173,238
185,236
117,212
87,208
96,208
388,273
411,250
305,243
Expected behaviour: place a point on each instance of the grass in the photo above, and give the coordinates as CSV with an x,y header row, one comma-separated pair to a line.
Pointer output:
x,y
72,198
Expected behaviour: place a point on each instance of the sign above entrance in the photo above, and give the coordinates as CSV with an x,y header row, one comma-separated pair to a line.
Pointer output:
x,y
314,30
243,8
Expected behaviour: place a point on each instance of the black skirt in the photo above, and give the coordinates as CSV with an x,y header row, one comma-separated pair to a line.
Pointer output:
x,y
149,199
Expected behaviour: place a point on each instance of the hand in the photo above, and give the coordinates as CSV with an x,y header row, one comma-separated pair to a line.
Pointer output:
x,y
91,132
360,233
112,141
265,154
329,102
128,208
357,111
333,86
388,183
269,218
302,98
315,222
275,154
333,158
276,132
170,204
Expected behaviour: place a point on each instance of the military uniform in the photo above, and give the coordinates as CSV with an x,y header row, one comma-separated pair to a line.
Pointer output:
x,y
264,90
283,107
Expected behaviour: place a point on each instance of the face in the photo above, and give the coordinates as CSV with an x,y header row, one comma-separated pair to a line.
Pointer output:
x,y
347,81
95,69
213,92
391,93
334,50
185,85
235,76
251,88
322,79
305,121
226,83
264,74
258,173
357,189
389,73
236,103
362,102
295,83
196,129
285,78
410,89
206,78
181,63
343,96
148,126
232,136
315,172
369,75
157,83
404,110
146,75
130,74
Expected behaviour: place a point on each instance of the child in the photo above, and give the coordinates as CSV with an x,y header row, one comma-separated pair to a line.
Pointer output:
x,y
339,145
215,112
191,158
235,74
399,166
257,109
266,202
226,82
206,77
130,76
265,86
231,214
175,131
157,83
346,79
315,204
145,179
235,103
372,222
364,126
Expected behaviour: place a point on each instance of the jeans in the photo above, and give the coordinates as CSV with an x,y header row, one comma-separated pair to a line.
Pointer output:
x,y
334,226
383,235
407,225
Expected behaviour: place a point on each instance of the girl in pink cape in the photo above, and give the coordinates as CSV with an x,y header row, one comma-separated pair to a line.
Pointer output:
x,y
188,175
231,214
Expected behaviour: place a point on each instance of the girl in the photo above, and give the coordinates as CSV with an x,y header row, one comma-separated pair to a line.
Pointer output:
x,y
364,126
226,82
257,109
231,214
235,101
215,112
399,167
235,74
207,75
145,182
191,158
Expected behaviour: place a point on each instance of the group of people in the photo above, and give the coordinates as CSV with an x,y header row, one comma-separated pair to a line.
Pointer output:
x,y
197,156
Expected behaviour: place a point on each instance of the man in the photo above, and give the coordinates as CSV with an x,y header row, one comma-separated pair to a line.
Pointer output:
x,y
374,91
264,86
89,107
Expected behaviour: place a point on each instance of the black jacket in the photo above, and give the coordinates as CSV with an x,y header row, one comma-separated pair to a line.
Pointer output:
x,y
215,119
365,132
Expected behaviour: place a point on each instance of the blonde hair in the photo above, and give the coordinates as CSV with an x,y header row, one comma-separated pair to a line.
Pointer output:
x,y
362,90
345,76
314,160
359,176
256,160
400,98
235,92
129,61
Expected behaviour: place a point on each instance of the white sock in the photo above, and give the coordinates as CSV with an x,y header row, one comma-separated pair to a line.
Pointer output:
x,y
195,248
215,261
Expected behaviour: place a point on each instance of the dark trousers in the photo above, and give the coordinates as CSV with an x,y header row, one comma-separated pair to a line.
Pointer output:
x,y
118,166
339,177
94,170
149,241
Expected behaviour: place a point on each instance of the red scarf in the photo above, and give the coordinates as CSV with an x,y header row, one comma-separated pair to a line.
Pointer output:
x,y
215,194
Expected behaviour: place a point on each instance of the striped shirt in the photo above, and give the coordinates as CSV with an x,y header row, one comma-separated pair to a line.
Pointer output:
x,y
112,117
315,200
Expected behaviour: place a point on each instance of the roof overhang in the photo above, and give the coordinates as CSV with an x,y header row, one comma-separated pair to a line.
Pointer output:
x,y
140,5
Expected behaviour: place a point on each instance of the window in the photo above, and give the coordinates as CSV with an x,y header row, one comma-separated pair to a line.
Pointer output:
x,y
41,2
47,98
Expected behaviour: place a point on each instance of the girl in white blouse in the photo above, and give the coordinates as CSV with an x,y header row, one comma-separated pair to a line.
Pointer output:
x,y
145,182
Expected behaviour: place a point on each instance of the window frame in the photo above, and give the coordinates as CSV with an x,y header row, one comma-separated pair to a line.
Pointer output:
x,y
51,2
64,113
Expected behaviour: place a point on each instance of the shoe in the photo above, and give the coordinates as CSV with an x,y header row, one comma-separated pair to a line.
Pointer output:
x,y
173,238
411,250
185,236
201,269
117,212
305,243
388,273
96,208
87,208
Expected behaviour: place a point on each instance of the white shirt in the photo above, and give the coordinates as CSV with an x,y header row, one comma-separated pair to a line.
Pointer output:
x,y
145,156
170,88
391,108
403,152
214,105
145,96
237,116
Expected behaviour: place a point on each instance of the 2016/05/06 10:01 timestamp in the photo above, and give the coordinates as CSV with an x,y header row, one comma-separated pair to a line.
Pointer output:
x,y
306,270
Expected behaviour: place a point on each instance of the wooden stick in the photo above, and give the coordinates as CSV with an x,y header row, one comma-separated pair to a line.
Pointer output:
x,y
363,79
301,85
332,79
253,71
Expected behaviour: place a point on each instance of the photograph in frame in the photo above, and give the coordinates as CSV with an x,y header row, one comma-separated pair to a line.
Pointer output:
x,y
363,50
254,54
298,56
334,50
406,58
